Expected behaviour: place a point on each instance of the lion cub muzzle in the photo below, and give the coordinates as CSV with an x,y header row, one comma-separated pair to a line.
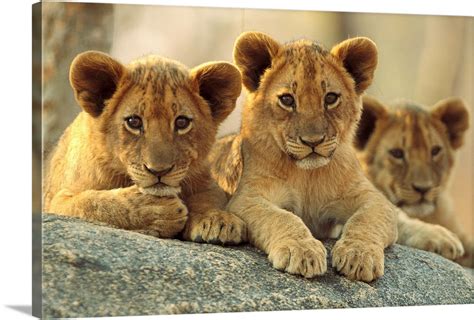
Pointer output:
x,y
312,141
311,152
160,180
418,200
159,173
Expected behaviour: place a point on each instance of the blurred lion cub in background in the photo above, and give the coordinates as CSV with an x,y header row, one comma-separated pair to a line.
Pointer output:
x,y
409,153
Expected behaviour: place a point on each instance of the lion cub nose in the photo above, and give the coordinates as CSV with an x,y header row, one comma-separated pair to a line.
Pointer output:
x,y
159,173
421,189
313,141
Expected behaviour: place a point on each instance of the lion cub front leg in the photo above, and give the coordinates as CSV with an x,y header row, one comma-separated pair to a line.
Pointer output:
x,y
444,216
208,222
306,257
359,253
467,259
282,235
216,227
429,237
125,208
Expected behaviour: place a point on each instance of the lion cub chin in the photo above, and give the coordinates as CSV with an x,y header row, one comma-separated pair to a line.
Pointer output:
x,y
135,157
408,152
291,170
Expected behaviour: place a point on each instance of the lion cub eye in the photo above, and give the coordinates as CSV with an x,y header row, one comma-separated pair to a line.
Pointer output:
x,y
182,124
331,100
134,122
397,153
287,102
435,150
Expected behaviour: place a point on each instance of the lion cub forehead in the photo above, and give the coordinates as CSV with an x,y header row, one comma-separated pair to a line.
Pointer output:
x,y
304,51
159,87
307,58
305,47
413,125
403,106
410,113
154,70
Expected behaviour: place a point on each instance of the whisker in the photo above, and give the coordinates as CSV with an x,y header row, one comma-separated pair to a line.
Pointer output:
x,y
297,147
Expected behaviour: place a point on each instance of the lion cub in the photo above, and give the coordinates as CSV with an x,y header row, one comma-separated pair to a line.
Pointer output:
x,y
135,157
408,152
291,170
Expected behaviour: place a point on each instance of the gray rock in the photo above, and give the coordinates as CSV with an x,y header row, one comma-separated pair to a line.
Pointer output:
x,y
95,270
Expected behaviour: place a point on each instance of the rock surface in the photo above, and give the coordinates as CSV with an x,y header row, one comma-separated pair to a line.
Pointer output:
x,y
95,270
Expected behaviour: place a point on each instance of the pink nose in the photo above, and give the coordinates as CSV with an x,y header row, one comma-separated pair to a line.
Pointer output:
x,y
313,141
421,189
159,173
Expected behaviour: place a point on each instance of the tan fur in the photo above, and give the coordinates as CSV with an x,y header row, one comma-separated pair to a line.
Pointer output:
x,y
289,191
418,181
145,178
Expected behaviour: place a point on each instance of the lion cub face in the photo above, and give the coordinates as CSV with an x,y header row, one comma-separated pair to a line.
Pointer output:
x,y
304,97
161,119
409,151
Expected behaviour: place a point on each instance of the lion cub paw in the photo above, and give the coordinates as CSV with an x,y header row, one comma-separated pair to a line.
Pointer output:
x,y
358,260
467,259
216,227
303,257
163,217
439,240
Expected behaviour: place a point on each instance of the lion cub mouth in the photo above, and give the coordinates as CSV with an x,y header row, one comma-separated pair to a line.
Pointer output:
x,y
418,209
158,185
162,185
161,189
307,157
313,161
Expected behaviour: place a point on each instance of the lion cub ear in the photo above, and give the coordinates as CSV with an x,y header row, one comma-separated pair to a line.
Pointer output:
x,y
94,77
452,112
372,111
253,54
220,84
359,57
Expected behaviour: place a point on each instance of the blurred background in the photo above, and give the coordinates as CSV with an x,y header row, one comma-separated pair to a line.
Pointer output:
x,y
422,58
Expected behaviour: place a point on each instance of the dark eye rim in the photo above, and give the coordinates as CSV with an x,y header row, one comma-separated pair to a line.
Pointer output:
x,y
188,123
397,153
286,95
134,117
435,150
337,96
